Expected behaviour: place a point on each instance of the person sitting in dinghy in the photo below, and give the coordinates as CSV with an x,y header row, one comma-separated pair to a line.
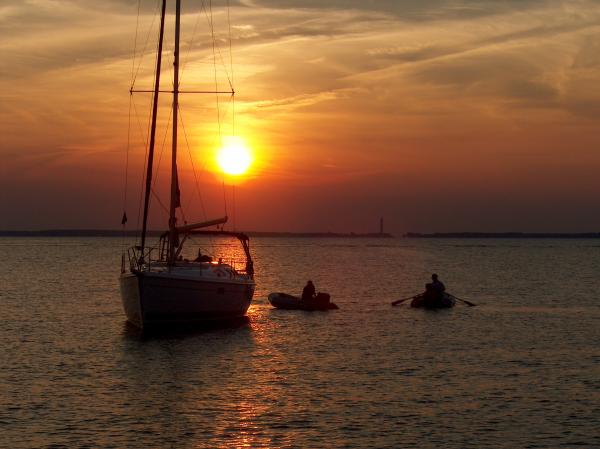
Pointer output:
x,y
437,285
309,292
202,257
434,291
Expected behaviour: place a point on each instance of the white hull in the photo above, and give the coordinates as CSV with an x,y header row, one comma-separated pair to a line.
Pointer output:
x,y
152,299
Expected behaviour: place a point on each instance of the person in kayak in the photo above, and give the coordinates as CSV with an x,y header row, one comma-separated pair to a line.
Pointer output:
x,y
308,293
434,291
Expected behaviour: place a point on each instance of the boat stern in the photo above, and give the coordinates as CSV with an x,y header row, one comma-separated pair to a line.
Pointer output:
x,y
129,285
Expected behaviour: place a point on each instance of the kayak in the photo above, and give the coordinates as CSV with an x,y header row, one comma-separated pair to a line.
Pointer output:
x,y
447,302
290,302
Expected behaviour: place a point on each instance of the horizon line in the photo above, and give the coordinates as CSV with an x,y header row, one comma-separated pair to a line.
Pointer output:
x,y
459,234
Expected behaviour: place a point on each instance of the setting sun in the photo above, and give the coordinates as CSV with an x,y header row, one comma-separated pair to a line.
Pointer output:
x,y
234,157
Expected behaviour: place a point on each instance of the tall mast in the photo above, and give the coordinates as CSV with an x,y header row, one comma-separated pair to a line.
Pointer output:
x,y
174,178
153,128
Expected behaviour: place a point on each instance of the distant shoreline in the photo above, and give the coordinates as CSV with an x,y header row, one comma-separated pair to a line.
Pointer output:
x,y
385,235
504,235
128,233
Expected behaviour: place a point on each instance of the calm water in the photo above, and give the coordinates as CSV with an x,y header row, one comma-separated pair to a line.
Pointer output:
x,y
520,370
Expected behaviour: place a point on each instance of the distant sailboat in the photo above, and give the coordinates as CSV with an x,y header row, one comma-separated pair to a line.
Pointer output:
x,y
158,286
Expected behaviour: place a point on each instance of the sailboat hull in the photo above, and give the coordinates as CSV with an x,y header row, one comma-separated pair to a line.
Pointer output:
x,y
153,300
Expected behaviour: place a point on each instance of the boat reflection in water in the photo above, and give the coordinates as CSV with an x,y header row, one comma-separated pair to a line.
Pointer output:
x,y
180,330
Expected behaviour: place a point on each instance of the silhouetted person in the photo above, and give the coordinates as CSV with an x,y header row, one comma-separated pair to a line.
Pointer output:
x,y
202,258
308,293
434,291
437,285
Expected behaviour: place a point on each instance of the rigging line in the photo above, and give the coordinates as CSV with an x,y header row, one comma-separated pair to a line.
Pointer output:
x,y
234,209
212,31
145,45
162,150
190,47
210,22
226,112
145,138
156,174
125,187
137,25
181,211
159,201
232,83
127,158
140,202
223,186
193,165
212,143
224,193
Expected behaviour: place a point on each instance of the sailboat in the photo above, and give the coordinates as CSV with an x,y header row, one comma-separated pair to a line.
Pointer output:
x,y
158,286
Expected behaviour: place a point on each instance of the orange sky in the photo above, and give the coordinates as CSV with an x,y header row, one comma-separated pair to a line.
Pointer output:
x,y
439,115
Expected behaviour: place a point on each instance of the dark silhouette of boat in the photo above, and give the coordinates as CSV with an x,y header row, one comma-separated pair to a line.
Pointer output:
x,y
159,287
290,302
422,302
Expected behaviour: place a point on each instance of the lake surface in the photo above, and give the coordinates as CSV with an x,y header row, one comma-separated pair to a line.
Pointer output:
x,y
520,370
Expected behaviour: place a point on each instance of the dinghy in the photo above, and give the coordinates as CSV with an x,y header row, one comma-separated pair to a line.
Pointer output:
x,y
447,302
290,302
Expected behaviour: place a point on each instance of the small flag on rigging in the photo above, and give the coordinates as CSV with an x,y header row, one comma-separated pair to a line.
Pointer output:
x,y
124,219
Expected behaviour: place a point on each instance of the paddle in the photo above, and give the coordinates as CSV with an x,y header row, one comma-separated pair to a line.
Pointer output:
x,y
401,300
469,303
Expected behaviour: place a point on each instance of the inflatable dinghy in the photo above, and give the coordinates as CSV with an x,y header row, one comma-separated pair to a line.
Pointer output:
x,y
290,302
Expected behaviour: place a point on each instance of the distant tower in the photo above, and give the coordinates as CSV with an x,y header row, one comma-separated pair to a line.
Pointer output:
x,y
381,225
